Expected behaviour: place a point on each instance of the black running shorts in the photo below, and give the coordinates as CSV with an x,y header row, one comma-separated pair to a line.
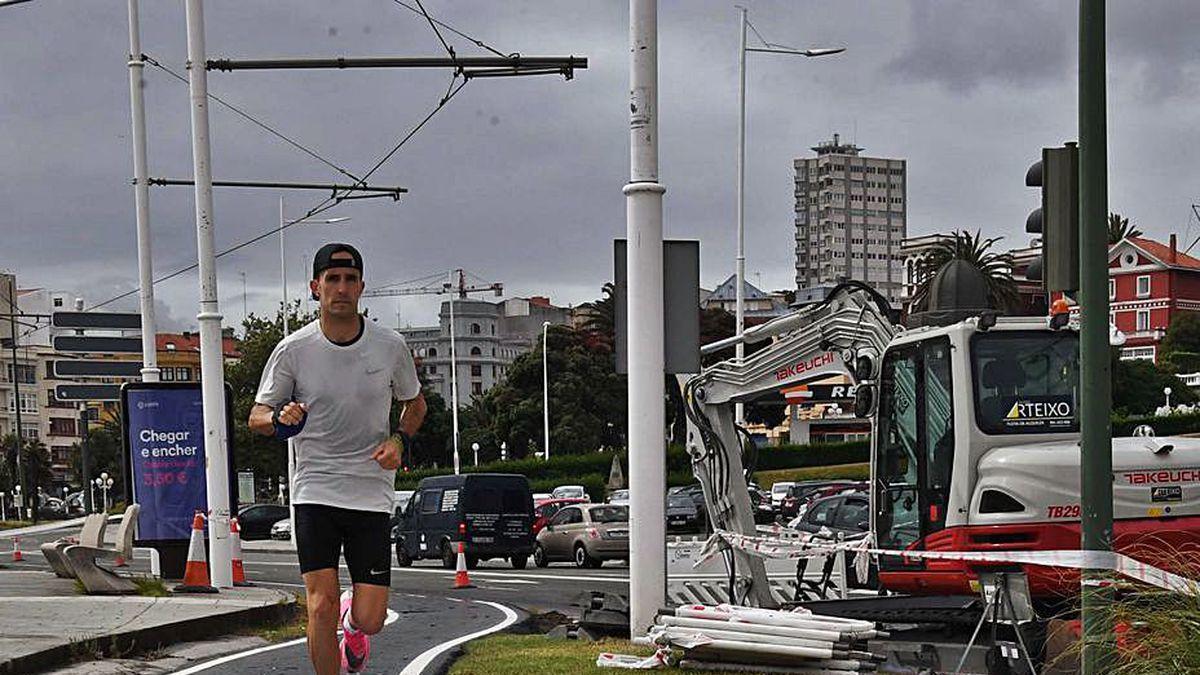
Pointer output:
x,y
324,532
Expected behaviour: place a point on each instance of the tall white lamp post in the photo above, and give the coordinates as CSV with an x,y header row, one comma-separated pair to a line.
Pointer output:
x,y
1167,393
475,449
741,171
546,389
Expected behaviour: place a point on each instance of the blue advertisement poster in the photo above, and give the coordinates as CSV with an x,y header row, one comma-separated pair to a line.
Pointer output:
x,y
165,458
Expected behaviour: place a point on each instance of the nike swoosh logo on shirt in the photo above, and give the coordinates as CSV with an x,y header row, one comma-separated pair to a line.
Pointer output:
x,y
372,372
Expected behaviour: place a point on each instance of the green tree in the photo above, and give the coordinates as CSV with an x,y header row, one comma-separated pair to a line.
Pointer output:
x,y
600,318
1119,228
971,248
1137,387
35,463
105,454
1180,349
586,396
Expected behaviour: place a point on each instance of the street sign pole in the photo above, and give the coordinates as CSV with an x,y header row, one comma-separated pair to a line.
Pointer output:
x,y
646,360
1096,495
85,456
213,378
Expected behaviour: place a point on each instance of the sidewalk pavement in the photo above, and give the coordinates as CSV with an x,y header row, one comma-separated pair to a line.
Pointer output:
x,y
270,546
45,621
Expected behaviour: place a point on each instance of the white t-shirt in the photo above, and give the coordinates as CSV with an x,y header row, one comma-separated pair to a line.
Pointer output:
x,y
349,390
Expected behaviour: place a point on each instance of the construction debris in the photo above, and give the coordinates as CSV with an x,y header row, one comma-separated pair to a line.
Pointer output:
x,y
737,638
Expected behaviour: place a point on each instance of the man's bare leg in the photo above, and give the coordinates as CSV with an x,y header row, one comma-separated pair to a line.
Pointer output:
x,y
324,592
369,609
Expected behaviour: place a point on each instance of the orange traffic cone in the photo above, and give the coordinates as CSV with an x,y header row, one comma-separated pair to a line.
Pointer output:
x,y
461,580
235,535
195,575
16,553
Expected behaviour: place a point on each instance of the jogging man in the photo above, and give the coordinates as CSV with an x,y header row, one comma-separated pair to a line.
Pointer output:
x,y
330,386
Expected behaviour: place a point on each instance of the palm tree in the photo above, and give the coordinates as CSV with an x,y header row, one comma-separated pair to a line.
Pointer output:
x,y
962,245
1119,228
600,317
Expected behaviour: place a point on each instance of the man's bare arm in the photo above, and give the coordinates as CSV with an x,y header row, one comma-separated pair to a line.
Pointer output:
x,y
260,421
413,415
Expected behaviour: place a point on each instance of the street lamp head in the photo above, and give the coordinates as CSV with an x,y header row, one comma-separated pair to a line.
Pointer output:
x,y
1167,391
104,475
339,219
475,447
823,52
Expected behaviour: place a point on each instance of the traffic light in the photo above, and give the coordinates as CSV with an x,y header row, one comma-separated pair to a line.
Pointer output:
x,y
1057,221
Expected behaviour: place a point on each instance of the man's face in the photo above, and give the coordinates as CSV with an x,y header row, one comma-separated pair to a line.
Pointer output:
x,y
338,289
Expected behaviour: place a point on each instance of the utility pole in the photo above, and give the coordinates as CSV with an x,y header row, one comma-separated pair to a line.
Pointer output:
x,y
453,373
646,358
211,353
16,382
141,198
1096,493
85,456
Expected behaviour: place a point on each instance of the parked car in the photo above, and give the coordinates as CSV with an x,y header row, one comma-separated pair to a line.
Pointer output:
x,y
546,510
619,497
490,513
805,491
255,520
828,490
400,503
764,513
682,514
696,493
569,492
586,534
841,516
779,490
539,497
282,530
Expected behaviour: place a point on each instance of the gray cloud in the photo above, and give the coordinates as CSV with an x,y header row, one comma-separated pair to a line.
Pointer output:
x,y
520,180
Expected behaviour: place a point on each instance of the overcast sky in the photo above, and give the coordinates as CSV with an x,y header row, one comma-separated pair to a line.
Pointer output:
x,y
519,180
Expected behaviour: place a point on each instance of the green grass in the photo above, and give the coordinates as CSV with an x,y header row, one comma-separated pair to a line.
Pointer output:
x,y
507,654
151,587
14,524
849,471
292,628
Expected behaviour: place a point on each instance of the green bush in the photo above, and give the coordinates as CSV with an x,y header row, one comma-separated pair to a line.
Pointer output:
x,y
1169,425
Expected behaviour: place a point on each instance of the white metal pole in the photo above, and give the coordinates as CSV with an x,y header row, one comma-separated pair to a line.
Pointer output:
x,y
739,410
546,389
291,446
213,379
453,375
643,200
141,198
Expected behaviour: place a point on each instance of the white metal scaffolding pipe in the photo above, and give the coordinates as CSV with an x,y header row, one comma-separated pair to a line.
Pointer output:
x,y
647,422
212,381
141,197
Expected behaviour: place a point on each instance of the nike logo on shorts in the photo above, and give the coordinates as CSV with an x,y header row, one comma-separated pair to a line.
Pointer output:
x,y
379,572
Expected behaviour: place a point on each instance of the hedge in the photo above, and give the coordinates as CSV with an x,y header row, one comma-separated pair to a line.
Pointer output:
x,y
591,469
1168,425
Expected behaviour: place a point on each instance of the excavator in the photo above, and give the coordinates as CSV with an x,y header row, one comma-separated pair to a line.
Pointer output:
x,y
974,443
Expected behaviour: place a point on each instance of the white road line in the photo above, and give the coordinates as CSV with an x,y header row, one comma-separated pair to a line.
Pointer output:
x,y
608,578
512,581
419,664
391,618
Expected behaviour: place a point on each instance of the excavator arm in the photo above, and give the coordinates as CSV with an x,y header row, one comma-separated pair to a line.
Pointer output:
x,y
844,334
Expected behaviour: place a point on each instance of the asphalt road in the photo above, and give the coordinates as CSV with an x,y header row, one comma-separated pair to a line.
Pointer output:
x,y
426,612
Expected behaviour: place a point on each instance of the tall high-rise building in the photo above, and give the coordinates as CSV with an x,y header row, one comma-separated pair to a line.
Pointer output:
x,y
851,217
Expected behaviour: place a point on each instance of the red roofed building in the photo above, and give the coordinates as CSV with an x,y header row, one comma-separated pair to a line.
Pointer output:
x,y
1148,284
179,355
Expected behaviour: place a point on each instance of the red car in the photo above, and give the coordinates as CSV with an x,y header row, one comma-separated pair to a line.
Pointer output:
x,y
545,510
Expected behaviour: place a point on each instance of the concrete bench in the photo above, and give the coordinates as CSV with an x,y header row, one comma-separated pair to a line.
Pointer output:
x,y
92,534
101,580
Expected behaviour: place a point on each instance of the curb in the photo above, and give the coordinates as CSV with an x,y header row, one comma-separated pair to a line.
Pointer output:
x,y
147,639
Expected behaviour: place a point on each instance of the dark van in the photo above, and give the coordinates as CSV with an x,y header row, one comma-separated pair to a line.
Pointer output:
x,y
491,513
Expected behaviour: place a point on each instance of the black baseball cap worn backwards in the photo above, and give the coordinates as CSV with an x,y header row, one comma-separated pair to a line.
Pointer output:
x,y
324,259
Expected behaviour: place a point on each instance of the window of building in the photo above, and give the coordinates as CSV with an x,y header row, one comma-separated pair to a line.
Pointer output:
x,y
1143,286
1112,289
1143,320
493,372
476,351
29,402
62,426
184,374
170,346
168,374
26,374
477,388
433,370
476,329
58,302
30,433
433,351
476,370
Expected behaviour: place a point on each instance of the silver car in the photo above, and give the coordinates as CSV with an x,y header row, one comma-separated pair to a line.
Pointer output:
x,y
586,534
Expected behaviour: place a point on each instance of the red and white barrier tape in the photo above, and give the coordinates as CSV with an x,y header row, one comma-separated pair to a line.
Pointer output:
x,y
771,547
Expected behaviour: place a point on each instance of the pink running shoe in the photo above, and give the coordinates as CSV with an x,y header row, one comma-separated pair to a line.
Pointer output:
x,y
356,647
